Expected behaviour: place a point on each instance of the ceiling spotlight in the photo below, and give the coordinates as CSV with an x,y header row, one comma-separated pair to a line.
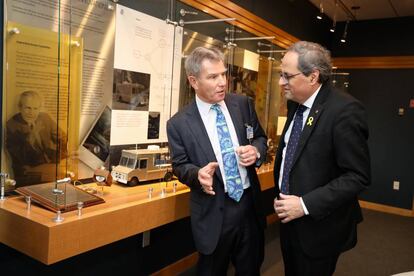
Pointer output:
x,y
343,39
320,15
332,29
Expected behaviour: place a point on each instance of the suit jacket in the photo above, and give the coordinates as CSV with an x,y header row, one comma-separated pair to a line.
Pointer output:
x,y
33,146
191,150
330,167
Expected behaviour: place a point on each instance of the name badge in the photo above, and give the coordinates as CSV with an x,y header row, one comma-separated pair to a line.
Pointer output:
x,y
249,132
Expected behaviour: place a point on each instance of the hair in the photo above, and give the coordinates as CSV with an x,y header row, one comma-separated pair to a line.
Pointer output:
x,y
313,56
29,94
197,56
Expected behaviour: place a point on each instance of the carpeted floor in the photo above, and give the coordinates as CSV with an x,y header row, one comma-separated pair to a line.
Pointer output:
x,y
385,247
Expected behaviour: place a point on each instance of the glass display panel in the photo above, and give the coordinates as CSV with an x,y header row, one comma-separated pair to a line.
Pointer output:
x,y
52,53
42,77
65,75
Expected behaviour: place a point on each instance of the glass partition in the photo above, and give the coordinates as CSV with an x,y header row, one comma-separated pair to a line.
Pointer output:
x,y
41,91
89,84
53,56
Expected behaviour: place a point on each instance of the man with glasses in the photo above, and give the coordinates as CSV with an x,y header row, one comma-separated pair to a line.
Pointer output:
x,y
322,163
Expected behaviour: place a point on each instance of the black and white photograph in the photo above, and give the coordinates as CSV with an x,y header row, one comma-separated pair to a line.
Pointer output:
x,y
94,150
154,125
131,90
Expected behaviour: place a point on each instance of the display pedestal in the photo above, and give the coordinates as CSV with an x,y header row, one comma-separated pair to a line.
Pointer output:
x,y
66,201
127,211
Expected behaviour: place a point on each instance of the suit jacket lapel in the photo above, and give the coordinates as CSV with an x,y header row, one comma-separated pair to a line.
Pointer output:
x,y
311,121
292,106
234,110
196,126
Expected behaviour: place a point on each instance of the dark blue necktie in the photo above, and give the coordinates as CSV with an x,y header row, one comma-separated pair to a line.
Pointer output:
x,y
231,170
291,148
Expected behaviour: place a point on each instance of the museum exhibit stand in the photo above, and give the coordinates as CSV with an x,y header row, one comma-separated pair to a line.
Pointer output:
x,y
88,87
127,211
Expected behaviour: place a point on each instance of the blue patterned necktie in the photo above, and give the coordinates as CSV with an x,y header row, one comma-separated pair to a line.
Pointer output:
x,y
231,170
291,148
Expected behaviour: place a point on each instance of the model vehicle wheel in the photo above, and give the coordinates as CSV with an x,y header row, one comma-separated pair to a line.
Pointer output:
x,y
134,182
168,176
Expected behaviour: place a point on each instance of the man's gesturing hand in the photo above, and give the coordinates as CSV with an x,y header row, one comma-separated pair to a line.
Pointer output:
x,y
205,176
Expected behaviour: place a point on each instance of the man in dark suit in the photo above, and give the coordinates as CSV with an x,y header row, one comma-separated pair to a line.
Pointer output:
x,y
322,163
34,142
216,142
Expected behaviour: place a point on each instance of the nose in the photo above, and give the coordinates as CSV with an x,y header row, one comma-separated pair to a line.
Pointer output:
x,y
282,81
222,80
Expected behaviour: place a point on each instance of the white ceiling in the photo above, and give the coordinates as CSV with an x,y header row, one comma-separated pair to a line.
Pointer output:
x,y
369,9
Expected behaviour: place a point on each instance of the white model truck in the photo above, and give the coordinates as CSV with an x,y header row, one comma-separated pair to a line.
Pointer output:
x,y
141,165
132,93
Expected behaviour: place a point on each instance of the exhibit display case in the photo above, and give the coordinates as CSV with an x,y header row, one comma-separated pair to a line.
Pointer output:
x,y
79,88
87,85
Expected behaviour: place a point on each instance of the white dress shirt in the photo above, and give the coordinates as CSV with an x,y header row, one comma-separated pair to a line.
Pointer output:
x,y
209,119
308,103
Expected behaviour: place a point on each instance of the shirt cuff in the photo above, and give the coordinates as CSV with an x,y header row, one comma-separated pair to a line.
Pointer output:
x,y
258,160
304,206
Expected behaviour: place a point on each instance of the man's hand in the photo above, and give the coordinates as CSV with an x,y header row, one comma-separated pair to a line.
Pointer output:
x,y
205,176
288,207
247,155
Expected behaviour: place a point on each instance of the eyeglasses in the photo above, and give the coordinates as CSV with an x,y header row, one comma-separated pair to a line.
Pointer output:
x,y
286,77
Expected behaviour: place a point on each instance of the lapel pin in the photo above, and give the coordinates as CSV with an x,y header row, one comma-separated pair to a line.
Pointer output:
x,y
310,121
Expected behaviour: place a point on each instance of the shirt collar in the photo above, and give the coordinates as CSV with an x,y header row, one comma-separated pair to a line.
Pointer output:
x,y
204,107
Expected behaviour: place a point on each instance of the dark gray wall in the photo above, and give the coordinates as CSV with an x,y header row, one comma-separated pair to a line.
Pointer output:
x,y
391,140
385,37
383,91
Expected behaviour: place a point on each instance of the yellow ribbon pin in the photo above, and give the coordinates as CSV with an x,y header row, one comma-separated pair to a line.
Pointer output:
x,y
310,121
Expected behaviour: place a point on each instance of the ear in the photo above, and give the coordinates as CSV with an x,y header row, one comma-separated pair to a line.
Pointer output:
x,y
193,82
314,77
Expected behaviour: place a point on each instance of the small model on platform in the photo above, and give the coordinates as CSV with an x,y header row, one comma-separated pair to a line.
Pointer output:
x,y
141,165
103,178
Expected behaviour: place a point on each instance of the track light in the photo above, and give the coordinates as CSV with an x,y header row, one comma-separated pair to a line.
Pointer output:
x,y
332,29
320,15
343,39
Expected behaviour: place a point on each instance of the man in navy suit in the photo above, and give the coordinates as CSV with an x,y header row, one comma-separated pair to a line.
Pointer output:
x,y
322,163
225,227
